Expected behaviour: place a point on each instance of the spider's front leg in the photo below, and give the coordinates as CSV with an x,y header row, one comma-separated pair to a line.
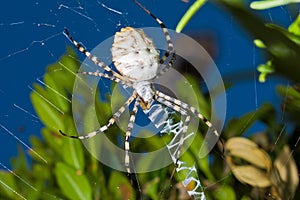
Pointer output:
x,y
92,57
107,76
111,121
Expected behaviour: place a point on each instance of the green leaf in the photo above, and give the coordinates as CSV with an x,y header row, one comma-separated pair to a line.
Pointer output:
x,y
20,162
54,140
291,101
120,187
8,187
265,70
239,126
56,92
201,161
50,115
259,44
295,26
73,153
224,192
290,91
292,36
189,14
39,154
265,4
73,185
151,188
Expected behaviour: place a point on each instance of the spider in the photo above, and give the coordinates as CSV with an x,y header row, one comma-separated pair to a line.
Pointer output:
x,y
138,63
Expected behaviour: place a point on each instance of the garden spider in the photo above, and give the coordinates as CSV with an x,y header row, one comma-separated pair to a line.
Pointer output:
x,y
138,64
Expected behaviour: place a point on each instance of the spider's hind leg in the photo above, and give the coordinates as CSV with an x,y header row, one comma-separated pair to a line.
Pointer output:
x,y
130,167
182,136
179,103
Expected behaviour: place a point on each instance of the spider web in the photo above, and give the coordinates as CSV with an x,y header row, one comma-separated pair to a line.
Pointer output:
x,y
32,37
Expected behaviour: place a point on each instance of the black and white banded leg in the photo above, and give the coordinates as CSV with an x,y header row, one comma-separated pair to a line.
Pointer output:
x,y
128,134
110,77
111,121
177,152
187,120
92,57
187,107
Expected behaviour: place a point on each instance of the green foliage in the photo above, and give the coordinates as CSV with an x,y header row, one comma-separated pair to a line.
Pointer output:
x,y
72,184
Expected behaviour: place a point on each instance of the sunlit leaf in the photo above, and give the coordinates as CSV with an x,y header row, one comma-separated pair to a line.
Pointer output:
x,y
251,175
295,26
259,43
247,150
189,14
254,164
265,70
292,36
265,4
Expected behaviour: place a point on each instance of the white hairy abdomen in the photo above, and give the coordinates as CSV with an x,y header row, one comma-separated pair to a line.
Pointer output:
x,y
134,54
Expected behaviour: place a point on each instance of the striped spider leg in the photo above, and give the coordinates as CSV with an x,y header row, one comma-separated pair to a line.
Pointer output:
x,y
182,108
169,55
178,105
93,58
111,121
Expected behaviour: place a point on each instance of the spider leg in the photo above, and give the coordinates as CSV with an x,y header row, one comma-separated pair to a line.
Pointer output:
x,y
128,134
175,156
111,121
104,75
185,106
93,58
170,53
183,112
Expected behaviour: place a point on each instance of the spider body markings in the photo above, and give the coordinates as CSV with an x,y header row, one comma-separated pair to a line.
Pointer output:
x,y
138,64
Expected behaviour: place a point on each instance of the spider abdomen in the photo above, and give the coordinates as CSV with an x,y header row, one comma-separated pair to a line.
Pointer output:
x,y
134,54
